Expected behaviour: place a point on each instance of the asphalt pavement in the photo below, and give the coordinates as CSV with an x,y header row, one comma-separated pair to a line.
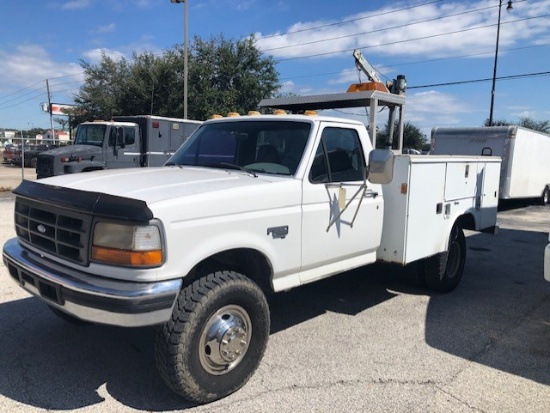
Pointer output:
x,y
368,340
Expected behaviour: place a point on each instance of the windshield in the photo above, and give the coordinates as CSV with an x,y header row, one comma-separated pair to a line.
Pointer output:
x,y
268,146
90,135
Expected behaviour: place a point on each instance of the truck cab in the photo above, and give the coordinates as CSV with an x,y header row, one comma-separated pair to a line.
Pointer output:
x,y
97,146
124,142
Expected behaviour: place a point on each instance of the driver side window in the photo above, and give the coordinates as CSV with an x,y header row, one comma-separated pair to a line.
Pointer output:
x,y
339,157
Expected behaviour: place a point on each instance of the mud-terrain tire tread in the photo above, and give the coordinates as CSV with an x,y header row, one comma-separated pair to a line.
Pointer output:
x,y
176,339
435,268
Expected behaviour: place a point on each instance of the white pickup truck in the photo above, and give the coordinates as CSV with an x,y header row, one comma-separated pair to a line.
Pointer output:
x,y
248,205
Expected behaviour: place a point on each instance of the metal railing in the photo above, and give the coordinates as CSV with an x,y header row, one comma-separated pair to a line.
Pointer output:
x,y
11,176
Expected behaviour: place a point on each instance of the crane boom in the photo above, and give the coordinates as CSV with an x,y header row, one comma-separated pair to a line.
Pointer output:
x,y
365,66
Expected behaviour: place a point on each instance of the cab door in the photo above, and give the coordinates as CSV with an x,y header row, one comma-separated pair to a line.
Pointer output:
x,y
123,148
342,218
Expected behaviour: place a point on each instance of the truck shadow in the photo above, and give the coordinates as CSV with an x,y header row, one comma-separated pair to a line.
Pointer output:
x,y
496,318
512,204
500,315
51,364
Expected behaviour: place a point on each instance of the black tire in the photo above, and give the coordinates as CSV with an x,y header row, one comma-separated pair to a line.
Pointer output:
x,y
443,272
545,198
216,338
67,317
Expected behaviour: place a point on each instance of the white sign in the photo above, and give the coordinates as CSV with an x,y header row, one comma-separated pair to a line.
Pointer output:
x,y
57,108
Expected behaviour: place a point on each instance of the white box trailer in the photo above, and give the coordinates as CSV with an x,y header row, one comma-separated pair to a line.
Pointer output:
x,y
525,153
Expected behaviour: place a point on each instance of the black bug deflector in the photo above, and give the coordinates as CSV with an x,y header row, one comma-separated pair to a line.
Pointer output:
x,y
95,203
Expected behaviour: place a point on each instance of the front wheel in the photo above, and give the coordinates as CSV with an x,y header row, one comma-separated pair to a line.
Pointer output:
x,y
443,272
215,339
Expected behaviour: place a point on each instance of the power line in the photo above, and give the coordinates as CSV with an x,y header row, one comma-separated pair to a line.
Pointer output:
x,y
400,64
462,82
408,40
377,30
23,101
351,20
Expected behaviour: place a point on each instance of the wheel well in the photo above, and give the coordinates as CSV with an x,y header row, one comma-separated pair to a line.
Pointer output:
x,y
467,221
248,262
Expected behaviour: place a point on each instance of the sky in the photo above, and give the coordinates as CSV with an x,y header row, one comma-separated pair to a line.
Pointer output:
x,y
445,48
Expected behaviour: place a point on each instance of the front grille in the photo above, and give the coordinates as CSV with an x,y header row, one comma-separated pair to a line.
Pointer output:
x,y
44,166
58,231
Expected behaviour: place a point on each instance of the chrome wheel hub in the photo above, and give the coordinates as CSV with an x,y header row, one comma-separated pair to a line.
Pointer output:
x,y
225,339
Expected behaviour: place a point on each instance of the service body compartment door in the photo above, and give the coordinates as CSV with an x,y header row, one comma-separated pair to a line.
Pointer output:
x,y
426,197
488,178
460,180
413,211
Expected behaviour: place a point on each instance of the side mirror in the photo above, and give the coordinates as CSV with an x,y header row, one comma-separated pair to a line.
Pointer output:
x,y
120,138
380,166
112,137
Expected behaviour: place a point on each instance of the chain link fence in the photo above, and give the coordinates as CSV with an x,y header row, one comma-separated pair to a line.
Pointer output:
x,y
11,176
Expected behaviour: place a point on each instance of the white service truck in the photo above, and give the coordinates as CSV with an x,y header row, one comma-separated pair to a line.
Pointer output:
x,y
122,142
525,153
248,205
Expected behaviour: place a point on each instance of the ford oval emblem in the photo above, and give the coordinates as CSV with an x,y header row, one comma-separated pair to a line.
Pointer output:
x,y
41,228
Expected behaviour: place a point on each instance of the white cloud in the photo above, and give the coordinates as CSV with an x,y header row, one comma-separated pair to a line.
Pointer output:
x,y
94,55
287,86
108,28
432,108
76,4
434,30
32,62
347,76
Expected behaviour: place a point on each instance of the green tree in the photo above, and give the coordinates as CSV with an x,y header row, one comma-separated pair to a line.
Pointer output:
x,y
526,122
538,125
413,138
229,76
223,76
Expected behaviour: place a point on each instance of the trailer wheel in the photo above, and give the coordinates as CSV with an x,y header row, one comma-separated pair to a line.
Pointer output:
x,y
443,272
215,339
545,198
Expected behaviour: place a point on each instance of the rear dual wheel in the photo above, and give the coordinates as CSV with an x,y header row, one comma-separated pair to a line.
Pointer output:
x,y
443,272
545,198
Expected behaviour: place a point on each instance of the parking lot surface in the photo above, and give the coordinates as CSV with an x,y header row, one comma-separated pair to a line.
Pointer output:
x,y
368,340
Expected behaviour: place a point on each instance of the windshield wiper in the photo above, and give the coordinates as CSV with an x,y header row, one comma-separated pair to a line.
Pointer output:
x,y
233,166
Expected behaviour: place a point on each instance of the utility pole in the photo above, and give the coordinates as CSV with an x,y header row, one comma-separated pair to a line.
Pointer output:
x,y
508,9
185,52
50,109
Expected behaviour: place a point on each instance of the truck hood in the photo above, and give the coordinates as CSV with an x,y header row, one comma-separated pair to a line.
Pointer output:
x,y
156,185
78,151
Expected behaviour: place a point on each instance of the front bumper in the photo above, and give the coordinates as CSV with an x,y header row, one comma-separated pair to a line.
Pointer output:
x,y
88,297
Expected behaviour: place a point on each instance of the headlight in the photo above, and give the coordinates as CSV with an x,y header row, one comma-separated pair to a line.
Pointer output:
x,y
131,245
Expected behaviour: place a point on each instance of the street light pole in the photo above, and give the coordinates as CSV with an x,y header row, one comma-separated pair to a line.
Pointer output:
x,y
185,53
508,8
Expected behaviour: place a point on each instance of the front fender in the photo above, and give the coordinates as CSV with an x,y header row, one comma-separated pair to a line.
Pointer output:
x,y
77,167
193,242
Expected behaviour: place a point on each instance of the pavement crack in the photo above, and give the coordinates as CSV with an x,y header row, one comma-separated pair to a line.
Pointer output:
x,y
468,405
